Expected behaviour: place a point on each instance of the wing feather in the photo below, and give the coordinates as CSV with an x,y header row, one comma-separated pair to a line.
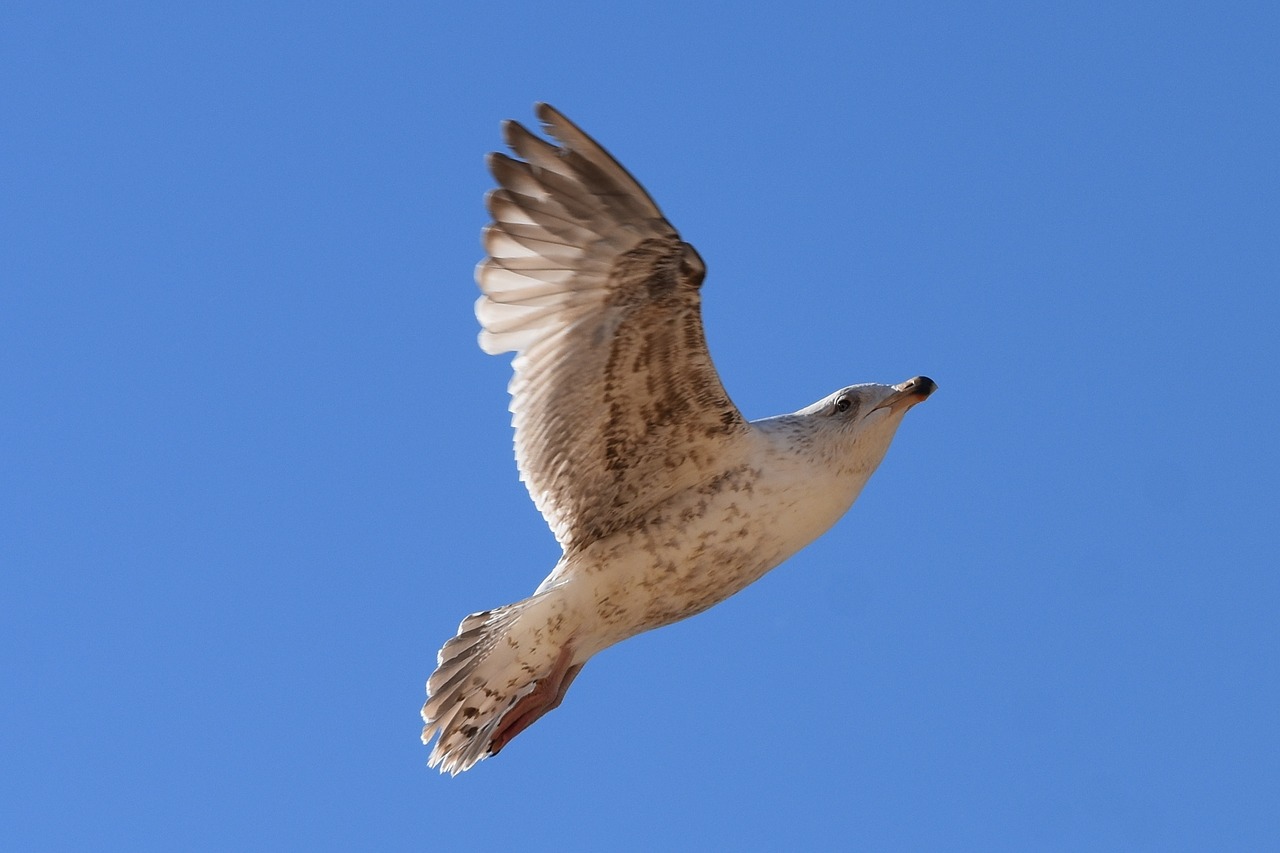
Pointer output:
x,y
615,401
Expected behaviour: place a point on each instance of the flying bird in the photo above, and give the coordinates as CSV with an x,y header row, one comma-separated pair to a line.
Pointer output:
x,y
663,497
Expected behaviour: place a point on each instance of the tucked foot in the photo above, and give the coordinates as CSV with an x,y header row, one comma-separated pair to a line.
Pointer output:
x,y
546,695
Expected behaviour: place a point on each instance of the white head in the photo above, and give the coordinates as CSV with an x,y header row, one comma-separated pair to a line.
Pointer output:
x,y
852,428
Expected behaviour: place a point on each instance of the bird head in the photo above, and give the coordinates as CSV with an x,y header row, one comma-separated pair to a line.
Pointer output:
x,y
855,425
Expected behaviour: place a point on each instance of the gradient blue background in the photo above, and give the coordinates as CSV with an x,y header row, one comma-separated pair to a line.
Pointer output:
x,y
255,469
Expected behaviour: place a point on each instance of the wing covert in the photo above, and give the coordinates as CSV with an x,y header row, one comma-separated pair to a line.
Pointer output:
x,y
615,401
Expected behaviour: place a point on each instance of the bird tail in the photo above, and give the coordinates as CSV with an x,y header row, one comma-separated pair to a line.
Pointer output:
x,y
491,665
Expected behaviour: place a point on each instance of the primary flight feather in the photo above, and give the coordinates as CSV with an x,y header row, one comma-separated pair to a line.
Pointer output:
x,y
664,498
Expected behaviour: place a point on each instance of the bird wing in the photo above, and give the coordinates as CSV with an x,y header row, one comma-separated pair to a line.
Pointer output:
x,y
615,402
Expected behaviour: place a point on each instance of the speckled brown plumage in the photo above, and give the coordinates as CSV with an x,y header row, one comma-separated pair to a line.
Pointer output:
x,y
665,500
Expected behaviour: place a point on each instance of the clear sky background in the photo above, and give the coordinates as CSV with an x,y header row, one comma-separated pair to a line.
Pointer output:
x,y
254,469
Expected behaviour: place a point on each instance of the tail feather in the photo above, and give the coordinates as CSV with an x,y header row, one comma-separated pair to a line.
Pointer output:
x,y
482,673
460,655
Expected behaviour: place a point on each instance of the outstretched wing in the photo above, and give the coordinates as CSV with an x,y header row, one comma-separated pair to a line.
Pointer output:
x,y
615,400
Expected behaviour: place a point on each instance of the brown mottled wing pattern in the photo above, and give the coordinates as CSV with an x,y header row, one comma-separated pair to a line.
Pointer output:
x,y
615,400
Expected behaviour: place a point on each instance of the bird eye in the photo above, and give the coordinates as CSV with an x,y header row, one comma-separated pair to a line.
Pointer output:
x,y
844,404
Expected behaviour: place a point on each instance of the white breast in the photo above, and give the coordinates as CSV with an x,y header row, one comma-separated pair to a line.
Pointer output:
x,y
703,545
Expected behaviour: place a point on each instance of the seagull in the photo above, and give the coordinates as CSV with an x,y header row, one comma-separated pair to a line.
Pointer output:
x,y
664,499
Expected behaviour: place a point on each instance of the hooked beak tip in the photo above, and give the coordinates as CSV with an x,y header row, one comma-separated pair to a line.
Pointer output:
x,y
907,394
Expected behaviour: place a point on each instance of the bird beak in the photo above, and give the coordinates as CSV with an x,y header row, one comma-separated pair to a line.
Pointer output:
x,y
907,394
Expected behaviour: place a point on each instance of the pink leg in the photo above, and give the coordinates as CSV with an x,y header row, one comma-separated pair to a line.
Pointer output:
x,y
546,696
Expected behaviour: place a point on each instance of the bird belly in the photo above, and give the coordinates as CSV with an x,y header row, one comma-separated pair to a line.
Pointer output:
x,y
697,549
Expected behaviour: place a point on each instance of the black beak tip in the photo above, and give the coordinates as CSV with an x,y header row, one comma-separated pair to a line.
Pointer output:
x,y
923,386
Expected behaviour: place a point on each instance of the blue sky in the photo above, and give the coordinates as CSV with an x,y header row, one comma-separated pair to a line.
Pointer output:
x,y
255,468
